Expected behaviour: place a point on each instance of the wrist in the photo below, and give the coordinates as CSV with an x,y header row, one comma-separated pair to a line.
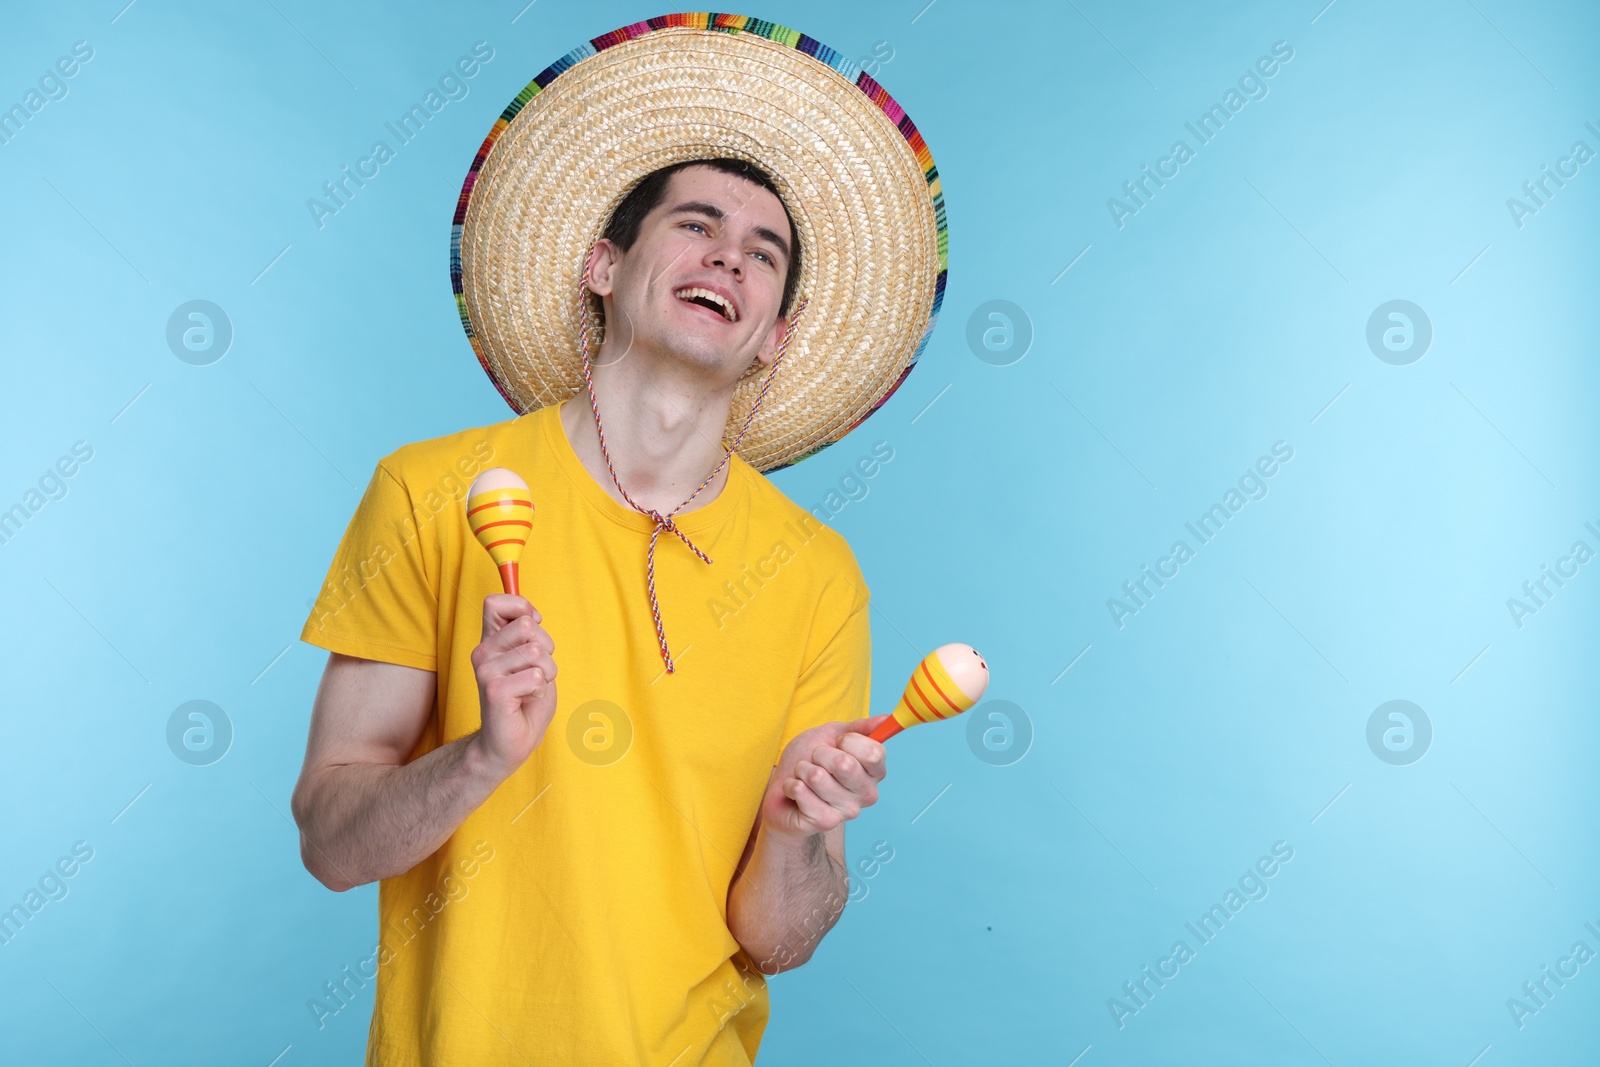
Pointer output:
x,y
479,764
789,850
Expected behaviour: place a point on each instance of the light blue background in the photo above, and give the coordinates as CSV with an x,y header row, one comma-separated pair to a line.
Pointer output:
x,y
1227,715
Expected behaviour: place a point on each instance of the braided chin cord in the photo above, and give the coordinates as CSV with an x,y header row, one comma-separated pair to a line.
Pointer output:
x,y
664,522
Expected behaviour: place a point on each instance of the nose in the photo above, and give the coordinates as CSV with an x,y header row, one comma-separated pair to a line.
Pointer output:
x,y
727,255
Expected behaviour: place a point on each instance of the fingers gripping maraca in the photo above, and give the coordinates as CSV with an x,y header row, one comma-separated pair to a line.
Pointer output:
x,y
948,681
500,512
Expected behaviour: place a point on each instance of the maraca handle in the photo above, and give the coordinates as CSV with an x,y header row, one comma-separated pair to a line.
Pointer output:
x,y
886,729
508,577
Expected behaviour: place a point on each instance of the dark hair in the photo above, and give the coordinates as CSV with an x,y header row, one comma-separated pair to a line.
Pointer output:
x,y
623,227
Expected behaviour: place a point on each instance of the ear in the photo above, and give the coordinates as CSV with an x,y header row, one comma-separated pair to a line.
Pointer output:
x,y
604,258
769,345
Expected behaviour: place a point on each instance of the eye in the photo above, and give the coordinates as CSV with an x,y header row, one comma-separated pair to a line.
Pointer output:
x,y
697,225
764,257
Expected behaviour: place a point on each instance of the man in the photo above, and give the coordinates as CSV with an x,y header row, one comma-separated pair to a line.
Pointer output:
x,y
605,877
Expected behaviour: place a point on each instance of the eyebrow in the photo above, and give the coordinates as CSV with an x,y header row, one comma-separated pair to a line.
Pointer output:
x,y
713,211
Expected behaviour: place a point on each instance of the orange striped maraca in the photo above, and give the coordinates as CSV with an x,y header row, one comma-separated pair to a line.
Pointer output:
x,y
948,681
500,512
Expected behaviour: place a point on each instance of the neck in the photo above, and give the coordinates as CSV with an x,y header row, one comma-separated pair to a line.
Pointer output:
x,y
664,433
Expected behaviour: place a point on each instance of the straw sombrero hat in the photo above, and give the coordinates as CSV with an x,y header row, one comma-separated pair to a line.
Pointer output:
x,y
848,163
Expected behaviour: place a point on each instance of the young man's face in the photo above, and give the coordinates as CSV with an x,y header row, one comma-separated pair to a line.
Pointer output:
x,y
704,279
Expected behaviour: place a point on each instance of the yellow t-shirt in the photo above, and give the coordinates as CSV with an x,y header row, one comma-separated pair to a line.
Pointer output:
x,y
579,916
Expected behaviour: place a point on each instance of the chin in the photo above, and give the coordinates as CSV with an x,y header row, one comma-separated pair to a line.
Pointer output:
x,y
698,350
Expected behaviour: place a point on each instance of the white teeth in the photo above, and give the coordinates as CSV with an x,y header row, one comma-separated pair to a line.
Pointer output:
x,y
728,310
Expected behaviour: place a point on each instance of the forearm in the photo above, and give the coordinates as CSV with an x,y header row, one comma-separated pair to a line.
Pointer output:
x,y
791,893
360,822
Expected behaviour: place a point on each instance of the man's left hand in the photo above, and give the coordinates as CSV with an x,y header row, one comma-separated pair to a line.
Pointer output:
x,y
824,778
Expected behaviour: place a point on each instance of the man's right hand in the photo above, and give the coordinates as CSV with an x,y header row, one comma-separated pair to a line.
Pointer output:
x,y
516,682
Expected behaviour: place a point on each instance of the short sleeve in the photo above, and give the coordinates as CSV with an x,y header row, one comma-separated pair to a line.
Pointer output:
x,y
837,684
377,602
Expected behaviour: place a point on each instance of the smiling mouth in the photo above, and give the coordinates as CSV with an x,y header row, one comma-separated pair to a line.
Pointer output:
x,y
707,299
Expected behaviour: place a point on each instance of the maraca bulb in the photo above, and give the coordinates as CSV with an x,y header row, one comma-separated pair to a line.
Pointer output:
x,y
500,513
948,681
501,520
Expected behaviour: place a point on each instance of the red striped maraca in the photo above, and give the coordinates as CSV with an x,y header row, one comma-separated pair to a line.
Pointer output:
x,y
500,512
948,681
